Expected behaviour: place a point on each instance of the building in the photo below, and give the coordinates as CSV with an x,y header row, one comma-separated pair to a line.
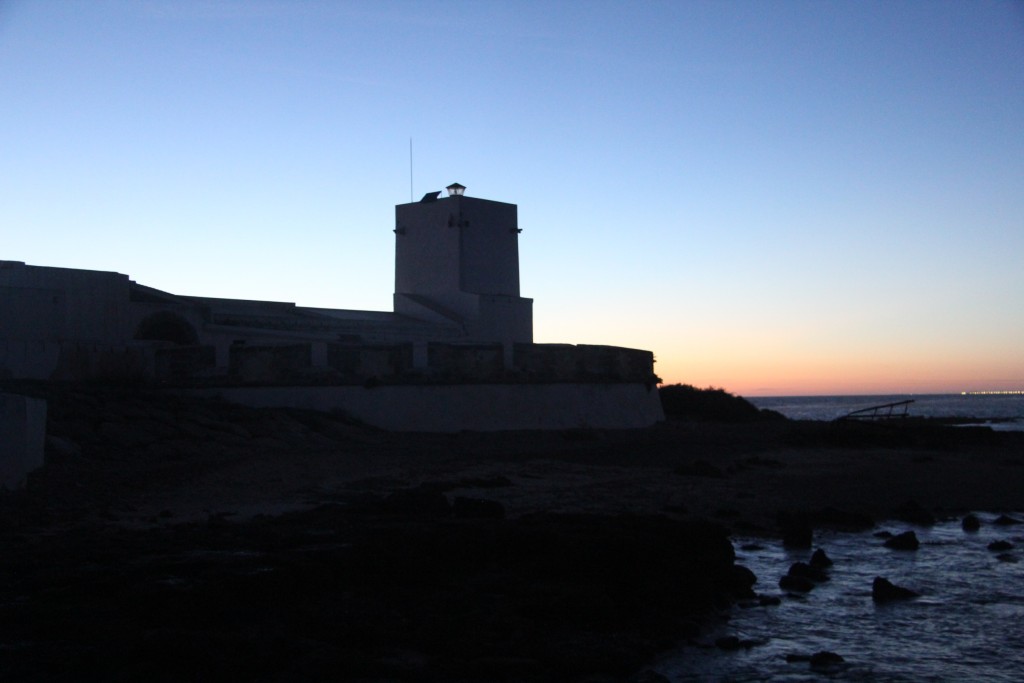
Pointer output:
x,y
459,328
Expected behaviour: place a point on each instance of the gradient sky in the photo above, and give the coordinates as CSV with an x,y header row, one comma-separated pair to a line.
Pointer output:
x,y
774,197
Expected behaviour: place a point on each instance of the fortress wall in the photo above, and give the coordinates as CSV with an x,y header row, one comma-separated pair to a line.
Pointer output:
x,y
473,407
29,359
22,437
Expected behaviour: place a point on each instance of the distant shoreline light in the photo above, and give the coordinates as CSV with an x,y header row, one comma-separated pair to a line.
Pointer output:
x,y
1006,392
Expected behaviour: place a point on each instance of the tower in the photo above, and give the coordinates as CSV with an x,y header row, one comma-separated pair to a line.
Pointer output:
x,y
457,259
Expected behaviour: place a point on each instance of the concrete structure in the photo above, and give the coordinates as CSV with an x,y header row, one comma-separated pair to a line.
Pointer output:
x,y
22,437
458,319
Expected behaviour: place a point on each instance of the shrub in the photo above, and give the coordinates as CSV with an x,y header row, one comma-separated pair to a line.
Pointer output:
x,y
686,401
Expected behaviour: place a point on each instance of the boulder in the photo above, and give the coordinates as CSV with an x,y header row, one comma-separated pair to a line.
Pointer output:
x,y
1000,546
820,560
802,569
842,520
970,523
732,643
913,512
700,468
796,584
883,590
826,662
742,581
825,657
1004,520
905,541
477,508
422,501
796,530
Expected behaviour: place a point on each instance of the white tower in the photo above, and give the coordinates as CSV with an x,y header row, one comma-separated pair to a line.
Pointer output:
x,y
457,259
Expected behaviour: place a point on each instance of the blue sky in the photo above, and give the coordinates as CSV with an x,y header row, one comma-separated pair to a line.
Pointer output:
x,y
775,197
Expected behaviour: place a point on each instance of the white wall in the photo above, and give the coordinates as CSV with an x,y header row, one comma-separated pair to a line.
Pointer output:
x,y
474,407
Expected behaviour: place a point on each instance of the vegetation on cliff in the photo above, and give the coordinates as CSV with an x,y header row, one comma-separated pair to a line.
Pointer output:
x,y
688,402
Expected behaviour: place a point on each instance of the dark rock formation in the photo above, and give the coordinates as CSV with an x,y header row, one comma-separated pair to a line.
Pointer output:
x,y
700,468
732,643
826,662
905,541
841,520
819,661
804,570
883,590
999,546
796,530
476,508
913,513
743,581
1005,520
970,523
424,500
391,591
796,584
820,560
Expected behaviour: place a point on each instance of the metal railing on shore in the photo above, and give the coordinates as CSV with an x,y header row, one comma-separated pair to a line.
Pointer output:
x,y
886,411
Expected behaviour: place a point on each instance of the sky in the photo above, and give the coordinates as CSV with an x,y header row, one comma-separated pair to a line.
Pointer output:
x,y
776,198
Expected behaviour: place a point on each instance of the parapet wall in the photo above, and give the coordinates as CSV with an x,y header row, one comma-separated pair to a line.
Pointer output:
x,y
327,363
473,407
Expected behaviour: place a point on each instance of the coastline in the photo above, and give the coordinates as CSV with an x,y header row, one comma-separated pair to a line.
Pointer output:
x,y
143,486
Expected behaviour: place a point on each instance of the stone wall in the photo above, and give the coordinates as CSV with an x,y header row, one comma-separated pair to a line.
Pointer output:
x,y
476,407
22,437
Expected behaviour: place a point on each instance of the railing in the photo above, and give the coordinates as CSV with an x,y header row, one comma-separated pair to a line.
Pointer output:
x,y
887,411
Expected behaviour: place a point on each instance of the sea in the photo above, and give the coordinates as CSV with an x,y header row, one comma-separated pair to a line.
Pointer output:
x,y
966,624
999,411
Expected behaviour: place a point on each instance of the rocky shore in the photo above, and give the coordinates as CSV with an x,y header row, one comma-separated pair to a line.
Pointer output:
x,y
173,539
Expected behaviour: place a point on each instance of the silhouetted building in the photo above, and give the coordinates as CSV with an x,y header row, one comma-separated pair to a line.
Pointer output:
x,y
458,319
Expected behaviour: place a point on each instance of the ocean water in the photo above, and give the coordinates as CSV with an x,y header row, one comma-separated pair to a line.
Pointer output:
x,y
998,411
965,626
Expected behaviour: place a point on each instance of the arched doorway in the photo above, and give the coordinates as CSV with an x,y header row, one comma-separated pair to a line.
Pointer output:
x,y
167,326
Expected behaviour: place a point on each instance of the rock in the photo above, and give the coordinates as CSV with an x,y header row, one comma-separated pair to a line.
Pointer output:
x,y
797,584
477,508
732,643
913,513
796,530
905,541
883,590
649,676
842,520
1007,557
820,560
825,661
804,570
727,643
1004,520
421,501
999,546
970,523
58,447
742,581
700,468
